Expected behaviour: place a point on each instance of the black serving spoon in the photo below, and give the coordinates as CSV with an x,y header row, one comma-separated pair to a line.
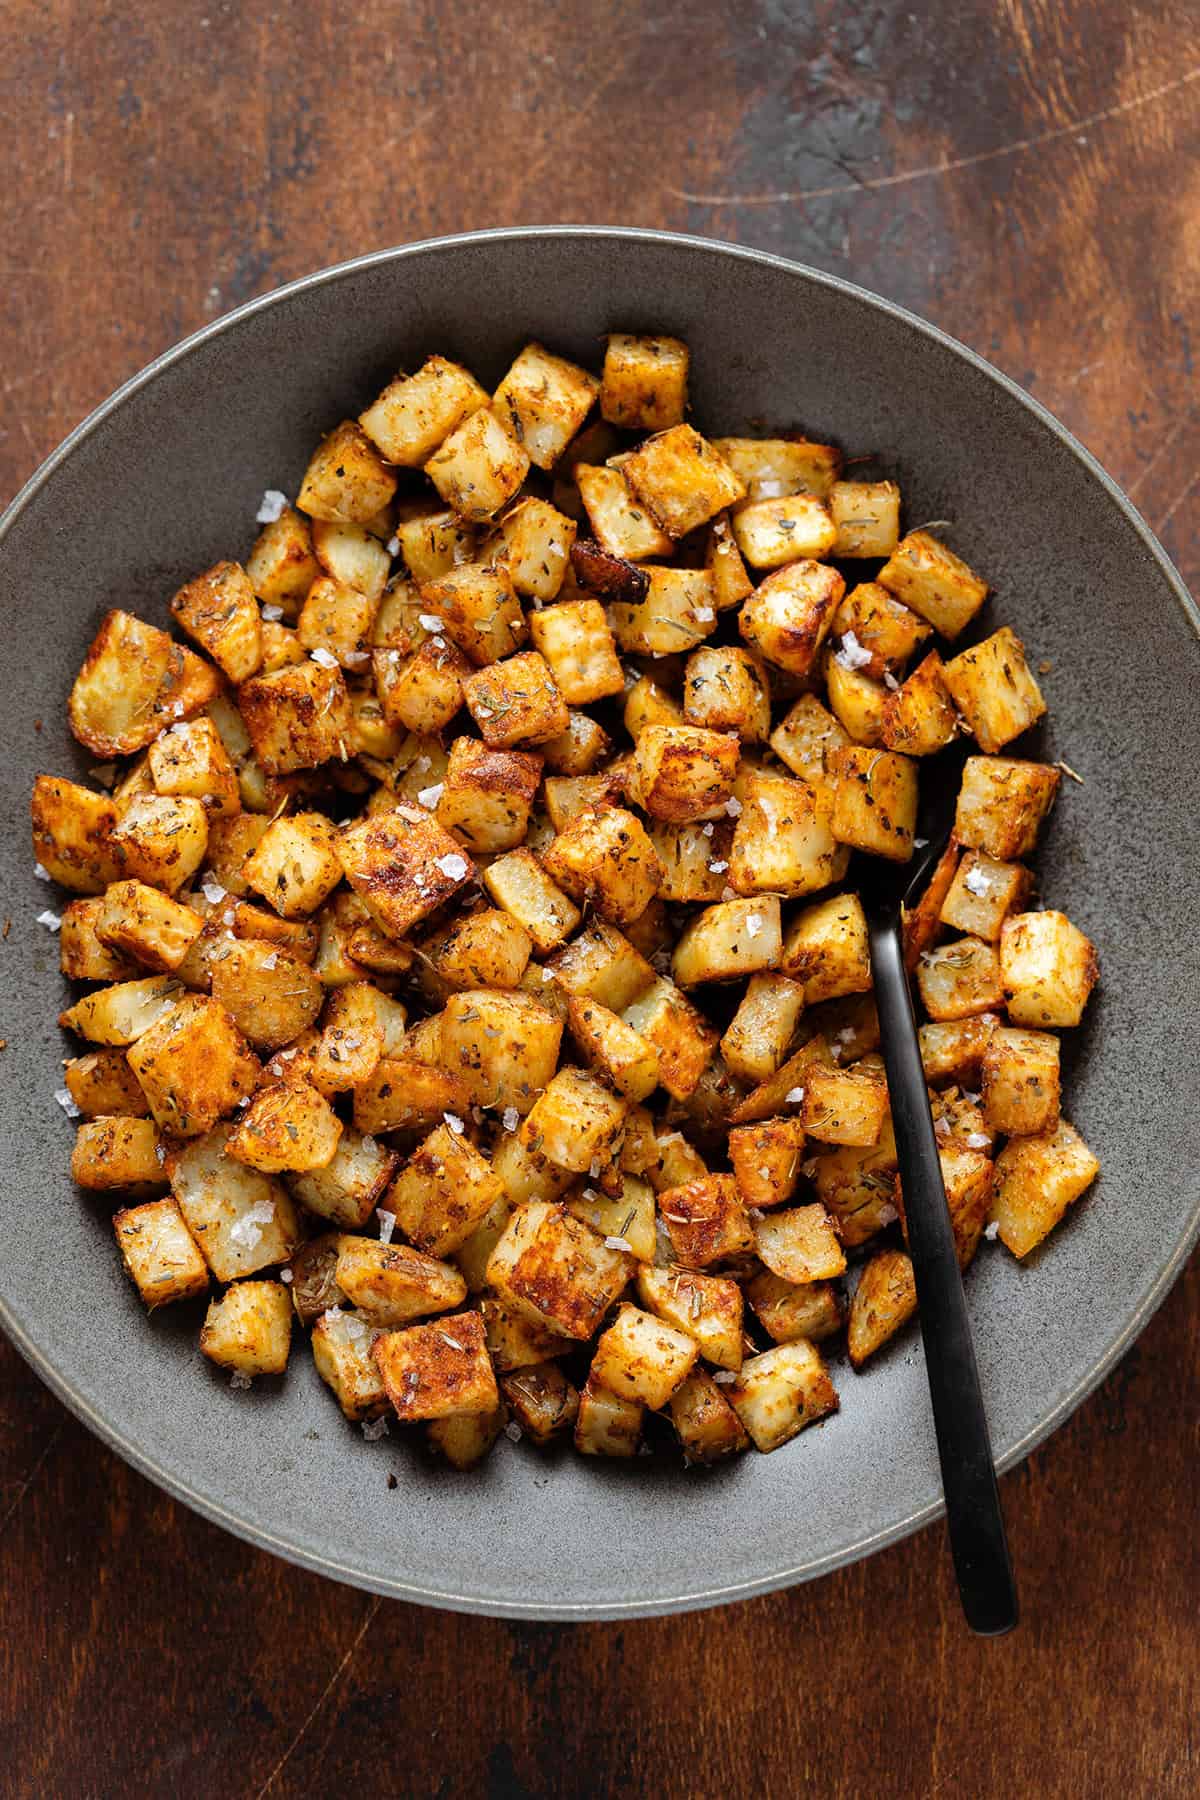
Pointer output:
x,y
977,1537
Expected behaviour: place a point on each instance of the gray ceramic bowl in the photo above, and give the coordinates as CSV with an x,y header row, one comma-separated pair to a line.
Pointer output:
x,y
165,478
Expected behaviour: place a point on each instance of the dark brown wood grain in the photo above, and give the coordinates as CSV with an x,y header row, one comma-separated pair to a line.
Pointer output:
x,y
1024,173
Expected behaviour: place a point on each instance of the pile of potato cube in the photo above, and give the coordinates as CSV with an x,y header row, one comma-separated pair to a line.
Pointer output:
x,y
467,966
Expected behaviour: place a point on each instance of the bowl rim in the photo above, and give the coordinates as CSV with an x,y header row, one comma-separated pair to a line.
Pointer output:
x,y
690,1598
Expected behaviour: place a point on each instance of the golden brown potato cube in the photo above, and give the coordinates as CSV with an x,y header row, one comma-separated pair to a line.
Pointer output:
x,y
694,858
677,613
351,1185
876,631
934,582
804,735
241,1219
421,692
337,620
281,566
958,979
443,1192
270,995
161,841
464,1439
850,1025
479,467
515,1341
578,749
347,480
706,1220
644,385
766,1159
762,1029
280,648
826,949
684,1040
486,795
621,524
1002,803
416,413
403,865
774,466
230,842
501,1047
218,610
353,555
725,689
1020,1081
874,800
787,1310
983,893
120,1014
191,760
102,1085
684,772
707,1308
249,1329
485,949
140,921
607,1424
643,1358
118,1152
780,1391
731,939
601,964
884,1300
72,834
518,883
557,1269
477,606
783,842
664,1157
800,1244
295,865
405,1092
575,1122
723,560
542,1401
371,734
1037,1178
516,701
621,1053
575,639
605,856
860,704
786,1086
844,1106
625,1219
341,1347
994,689
867,517
772,532
858,1186
159,1254
542,402
434,1371
953,1050
298,717
681,479
390,1284
431,543
194,1065
706,1425
533,544
289,1126
134,680
527,1176
787,616
1049,969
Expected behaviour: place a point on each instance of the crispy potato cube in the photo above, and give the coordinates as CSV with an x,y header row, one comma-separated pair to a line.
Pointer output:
x,y
405,1092
643,1358
575,640
533,544
242,1220
338,620
787,1310
281,566
403,865
1049,969
874,800
621,524
707,1308
807,731
706,1220
159,1254
434,1371
542,402
191,760
102,1085
72,834
725,689
578,749
783,842
624,1219
723,560
731,939
575,1122
478,467
567,796
994,689
487,795
443,1192
1002,803
431,543
542,1401
134,680
298,717
786,1086
312,1268
601,964
421,692
859,703
371,734
219,612
351,1185
527,1175
484,949
884,1300
557,1269
605,856
280,647
681,479
706,1425
934,582
644,385
844,1106
518,883
772,532
230,842
480,611
347,480
1037,1178
762,1029
295,865
501,1047
353,555
800,1244
607,1424
694,859
857,1186
516,701
766,1160
120,1014
665,1158
118,1152
867,517
787,616
953,1050
678,611
416,413
514,1341
684,1040
464,1439
145,924
780,1391
270,995
826,949
341,1347
614,1047
1020,1081
390,1284
878,633
161,841
684,772
983,893
194,1065
289,1126
958,979
774,466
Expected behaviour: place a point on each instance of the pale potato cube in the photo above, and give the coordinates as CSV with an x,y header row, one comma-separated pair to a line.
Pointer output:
x,y
575,639
781,1391
874,800
622,525
134,680
443,1192
72,834
678,611
1049,969
295,865
624,1219
542,1401
783,842
102,1085
437,1370
161,841
403,865
346,480
416,413
694,858
575,1122
242,1220
683,1038
281,566
390,1284
478,467
486,948
807,731
642,1358
707,1308
620,1052
919,718
431,543
352,554
857,1186
934,582
515,1341
867,517
219,611
983,893
566,796
464,1439
145,924
118,1152
953,1050
542,402
726,689
994,689
706,1220
191,760
527,1175
518,883
844,1106
1002,803
533,543
766,1158
120,1014
788,465
644,384
578,749
341,1347
723,560
339,620
800,1244
731,939
421,692
859,703
298,717
706,1425
665,1158
1020,1081
826,949
554,1267
502,1047
772,532
876,631
194,1065
270,995
787,1310
605,856
487,795
601,964
684,772
884,1300
351,1185
290,1126
762,1029
681,479
607,1424
159,1253
787,616
1037,1178
958,979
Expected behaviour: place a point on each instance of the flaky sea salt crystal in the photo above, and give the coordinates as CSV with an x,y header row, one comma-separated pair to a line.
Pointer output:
x,y
42,874
430,622
50,920
212,890
62,1095
239,1381
794,1096
272,614
387,1224
733,806
453,867
992,1232
851,654
325,657
510,1118
512,1432
618,1243
754,925
456,1124
430,796
976,881
270,507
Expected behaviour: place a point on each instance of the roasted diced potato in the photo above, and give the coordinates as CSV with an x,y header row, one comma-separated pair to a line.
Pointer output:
x,y
416,413
230,843
644,387
772,532
289,1126
786,1086
622,525
118,1152
953,1051
191,760
403,865
800,1244
533,543
134,680
486,795
542,1401
146,925
678,611
1002,803
484,949
731,939
762,1029
684,772
859,703
270,995
527,1175
642,1358
102,1085
695,860
193,1064
803,737
341,1347
72,835
436,1370
723,560
844,1106
219,611
479,467
874,800
421,692
605,856
552,1266
242,1220
404,1092
351,554
706,1425
159,1254
781,1391
919,718
707,1308
542,402
502,1047
934,582
877,633
867,517
281,566
787,616
1048,967
338,620
575,639
601,964
575,1122
624,1218
620,1052
959,979
783,842
706,1220
443,1192
347,480
516,701
1020,1081
774,466
120,1014
464,1439
685,1042
431,543
681,479
787,1310
827,951
295,865
994,689
478,607
390,1284
983,893
298,717
161,841
607,1424
1037,1178
578,749
884,1300
514,1341
725,689
351,1185
518,883
766,1160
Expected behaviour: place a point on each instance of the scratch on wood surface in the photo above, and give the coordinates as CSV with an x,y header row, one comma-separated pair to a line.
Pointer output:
x,y
22,422
950,165
68,153
1176,503
31,1477
1167,444
359,1635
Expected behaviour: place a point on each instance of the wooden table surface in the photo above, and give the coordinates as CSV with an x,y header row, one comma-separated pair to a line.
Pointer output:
x,y
1025,173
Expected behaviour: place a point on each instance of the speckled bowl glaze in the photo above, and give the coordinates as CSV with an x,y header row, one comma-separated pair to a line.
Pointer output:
x,y
164,479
